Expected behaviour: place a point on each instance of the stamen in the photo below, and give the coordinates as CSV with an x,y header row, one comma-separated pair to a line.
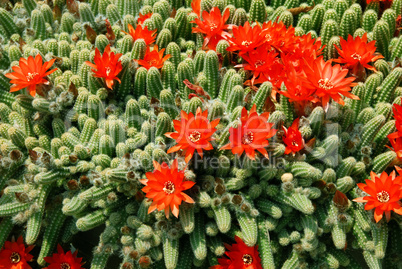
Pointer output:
x,y
15,257
383,197
247,259
169,187
195,136
247,138
325,84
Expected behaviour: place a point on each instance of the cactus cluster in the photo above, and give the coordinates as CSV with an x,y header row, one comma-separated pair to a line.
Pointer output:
x,y
73,157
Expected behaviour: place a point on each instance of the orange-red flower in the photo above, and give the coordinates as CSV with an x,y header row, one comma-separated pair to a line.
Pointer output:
x,y
30,73
142,18
384,193
193,133
196,6
153,58
165,186
251,135
64,260
213,26
106,66
264,64
397,109
278,36
14,255
245,38
396,144
292,138
328,81
141,33
240,256
356,53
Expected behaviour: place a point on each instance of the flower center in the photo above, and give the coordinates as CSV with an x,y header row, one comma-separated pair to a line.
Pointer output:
x,y
195,136
65,265
169,187
213,26
108,70
325,84
15,257
31,76
259,63
356,56
246,43
268,37
247,138
294,143
247,259
383,196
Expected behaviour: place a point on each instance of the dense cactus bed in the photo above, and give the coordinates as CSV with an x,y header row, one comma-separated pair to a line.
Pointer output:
x,y
222,134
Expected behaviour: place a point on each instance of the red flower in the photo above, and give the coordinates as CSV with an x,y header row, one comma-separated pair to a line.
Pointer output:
x,y
296,90
397,109
245,38
328,81
293,138
193,133
153,58
30,73
310,47
165,186
142,18
384,193
196,6
264,64
278,36
396,144
63,260
356,53
251,135
14,255
141,33
106,66
213,26
240,256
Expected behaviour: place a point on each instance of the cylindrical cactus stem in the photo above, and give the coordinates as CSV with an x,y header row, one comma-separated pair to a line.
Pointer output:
x,y
174,50
381,138
389,85
370,18
86,14
248,226
197,238
170,252
257,11
101,42
305,22
223,218
348,23
292,261
183,73
38,23
317,15
211,69
381,34
140,82
164,38
51,234
99,260
389,15
382,66
236,98
91,220
329,29
371,84
6,20
6,225
382,161
286,17
35,221
169,76
380,237
269,207
370,129
239,17
163,124
112,13
264,245
154,82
